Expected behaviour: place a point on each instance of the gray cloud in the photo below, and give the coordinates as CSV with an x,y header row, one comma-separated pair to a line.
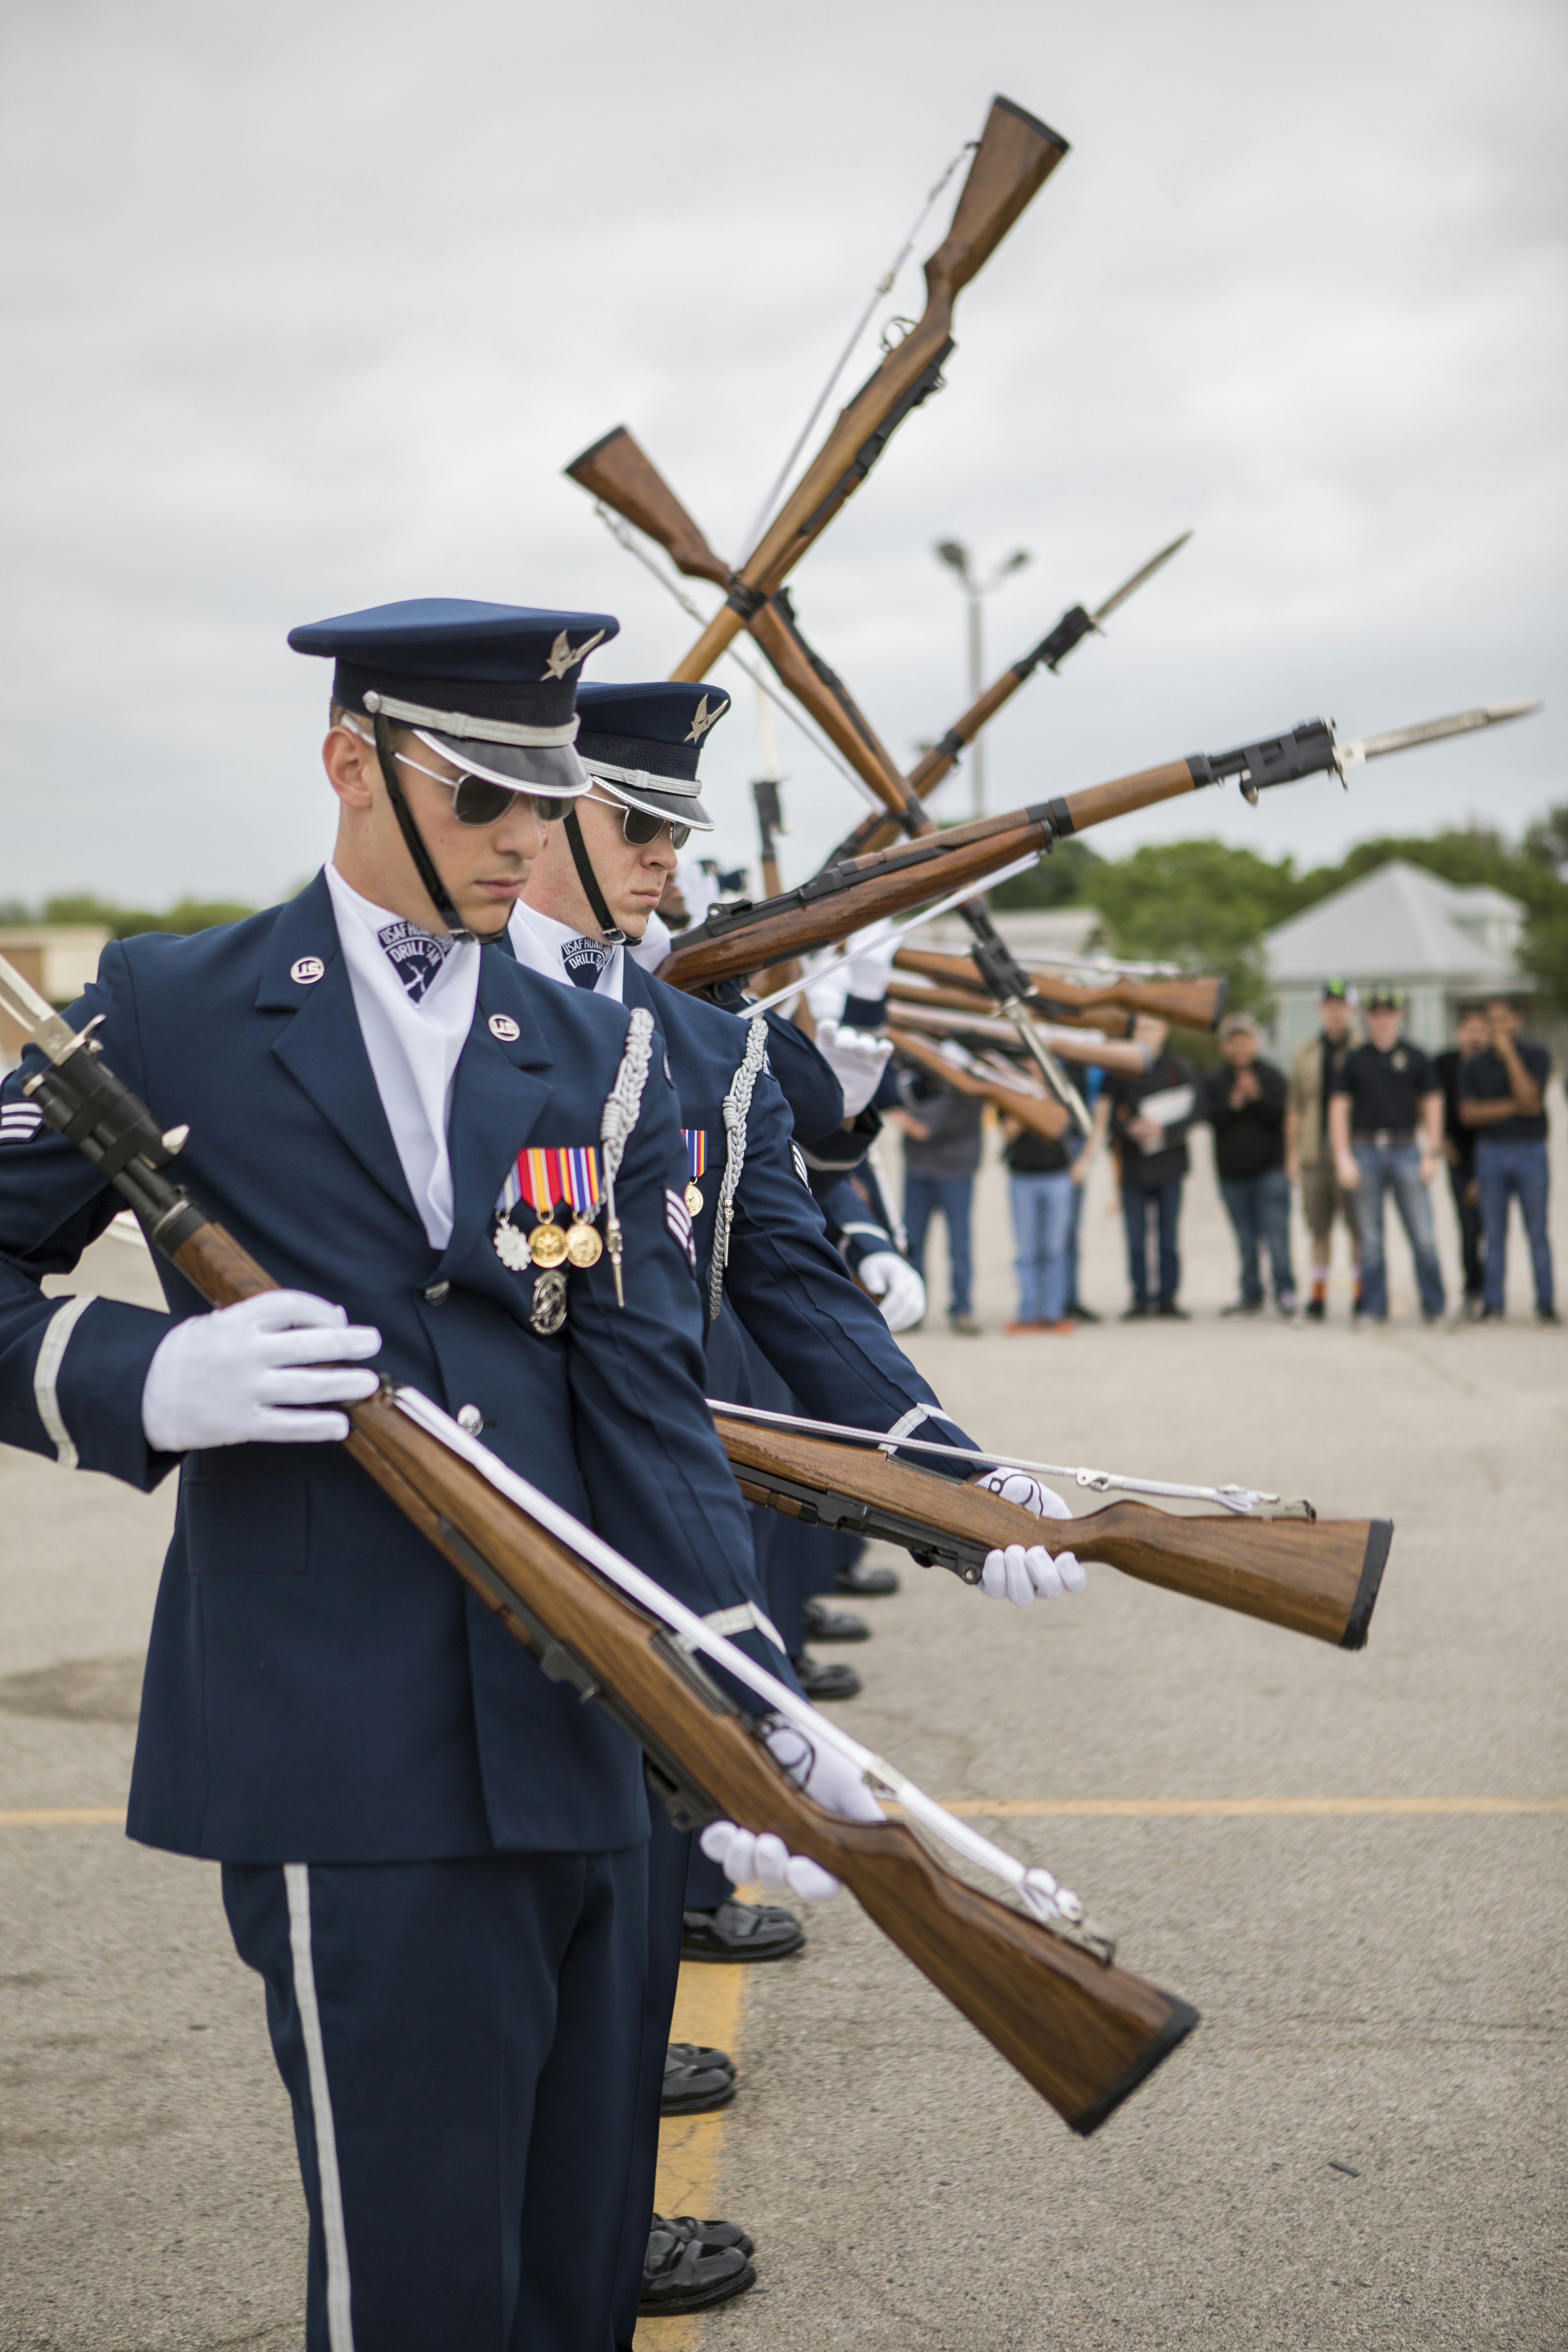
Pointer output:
x,y
308,306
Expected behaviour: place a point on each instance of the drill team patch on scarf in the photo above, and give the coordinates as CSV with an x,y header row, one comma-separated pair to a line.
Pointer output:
x,y
584,960
416,955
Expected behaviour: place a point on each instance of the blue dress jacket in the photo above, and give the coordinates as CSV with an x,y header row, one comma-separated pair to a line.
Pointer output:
x,y
785,1281
320,1685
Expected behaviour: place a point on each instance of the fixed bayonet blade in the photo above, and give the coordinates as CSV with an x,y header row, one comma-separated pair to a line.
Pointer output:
x,y
1431,730
1130,587
34,1016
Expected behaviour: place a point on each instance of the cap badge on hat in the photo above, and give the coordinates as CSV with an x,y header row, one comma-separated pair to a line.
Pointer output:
x,y
703,718
563,657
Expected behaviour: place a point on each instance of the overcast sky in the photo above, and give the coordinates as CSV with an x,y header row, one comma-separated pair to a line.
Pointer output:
x,y
307,306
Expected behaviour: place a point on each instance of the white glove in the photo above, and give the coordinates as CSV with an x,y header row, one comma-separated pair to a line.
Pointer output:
x,y
241,1375
870,968
832,1780
895,1286
857,1060
1022,1574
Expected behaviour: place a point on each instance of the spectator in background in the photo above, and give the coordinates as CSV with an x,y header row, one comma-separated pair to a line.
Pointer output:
x,y
1041,1188
941,1153
1243,1102
1385,1123
1149,1117
1308,1160
1502,1101
1080,1150
1470,1037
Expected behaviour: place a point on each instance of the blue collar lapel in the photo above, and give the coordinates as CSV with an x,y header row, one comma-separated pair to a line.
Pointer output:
x,y
502,1092
305,976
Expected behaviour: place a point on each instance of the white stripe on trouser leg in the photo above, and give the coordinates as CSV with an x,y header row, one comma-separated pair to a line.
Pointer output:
x,y
340,2317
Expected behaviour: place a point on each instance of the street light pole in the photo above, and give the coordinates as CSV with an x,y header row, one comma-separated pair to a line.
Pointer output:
x,y
956,556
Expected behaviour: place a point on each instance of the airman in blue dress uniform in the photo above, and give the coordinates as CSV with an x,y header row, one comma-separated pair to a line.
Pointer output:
x,y
781,1303
435,1858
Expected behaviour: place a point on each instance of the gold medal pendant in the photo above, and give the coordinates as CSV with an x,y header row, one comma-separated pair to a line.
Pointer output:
x,y
694,1199
547,1245
584,1247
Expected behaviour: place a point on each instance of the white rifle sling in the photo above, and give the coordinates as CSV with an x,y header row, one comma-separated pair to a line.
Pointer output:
x,y
737,1110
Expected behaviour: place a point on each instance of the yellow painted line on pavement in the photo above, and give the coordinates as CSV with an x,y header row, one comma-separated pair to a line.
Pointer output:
x,y
710,2008
63,1817
1156,1808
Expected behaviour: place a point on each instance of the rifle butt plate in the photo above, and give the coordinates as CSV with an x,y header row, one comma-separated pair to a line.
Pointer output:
x,y
1379,1536
1178,2025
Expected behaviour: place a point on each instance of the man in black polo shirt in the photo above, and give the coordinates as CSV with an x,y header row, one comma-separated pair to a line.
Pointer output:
x,y
1502,1102
1385,1124
1150,1116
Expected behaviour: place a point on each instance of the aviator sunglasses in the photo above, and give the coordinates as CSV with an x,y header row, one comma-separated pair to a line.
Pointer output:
x,y
640,827
476,799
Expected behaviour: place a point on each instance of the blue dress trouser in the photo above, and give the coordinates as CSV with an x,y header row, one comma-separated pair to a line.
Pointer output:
x,y
666,1896
1042,1222
1395,1168
1519,1169
1260,1211
461,2043
1162,1203
954,1196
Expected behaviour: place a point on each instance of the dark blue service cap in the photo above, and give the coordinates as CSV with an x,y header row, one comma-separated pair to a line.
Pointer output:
x,y
643,743
507,662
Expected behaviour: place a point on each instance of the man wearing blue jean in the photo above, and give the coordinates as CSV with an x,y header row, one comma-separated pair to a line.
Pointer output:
x,y
941,1153
1243,1102
1385,1128
1148,1119
1042,1190
1502,1102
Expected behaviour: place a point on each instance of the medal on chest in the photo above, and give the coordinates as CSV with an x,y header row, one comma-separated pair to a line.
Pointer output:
x,y
696,1166
561,1188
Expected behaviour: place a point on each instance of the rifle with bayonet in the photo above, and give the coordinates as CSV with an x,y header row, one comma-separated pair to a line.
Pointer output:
x,y
908,1011
966,1073
875,832
1184,1003
1312,1576
741,938
1048,1997
1016,156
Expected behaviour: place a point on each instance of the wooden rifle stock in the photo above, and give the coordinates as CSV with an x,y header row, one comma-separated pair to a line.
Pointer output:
x,y
917,1012
1040,1113
1016,156
1318,1577
1081,2030
968,1000
1184,1003
739,937
624,478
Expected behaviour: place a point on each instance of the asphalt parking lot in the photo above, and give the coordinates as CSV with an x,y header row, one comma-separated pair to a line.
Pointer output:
x,y
1362,2142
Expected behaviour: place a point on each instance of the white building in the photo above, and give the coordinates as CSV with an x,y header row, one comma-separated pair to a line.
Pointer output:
x,y
1443,946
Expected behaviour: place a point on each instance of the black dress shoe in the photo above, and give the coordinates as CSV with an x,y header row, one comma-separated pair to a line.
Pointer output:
x,y
819,1682
825,1625
1136,1314
712,2233
699,2053
1082,1314
861,1583
1175,1314
741,1931
680,2273
693,2090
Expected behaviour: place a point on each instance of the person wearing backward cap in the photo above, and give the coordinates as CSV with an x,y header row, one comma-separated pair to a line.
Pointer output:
x,y
786,1323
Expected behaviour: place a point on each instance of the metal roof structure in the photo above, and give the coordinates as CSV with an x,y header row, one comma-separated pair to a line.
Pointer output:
x,y
1401,923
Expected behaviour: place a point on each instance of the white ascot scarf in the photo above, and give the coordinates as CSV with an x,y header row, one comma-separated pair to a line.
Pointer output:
x,y
538,941
413,1043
